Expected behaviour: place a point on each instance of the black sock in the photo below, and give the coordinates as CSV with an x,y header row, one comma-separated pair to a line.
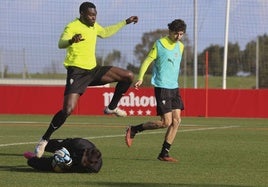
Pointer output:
x,y
165,149
57,121
120,89
137,128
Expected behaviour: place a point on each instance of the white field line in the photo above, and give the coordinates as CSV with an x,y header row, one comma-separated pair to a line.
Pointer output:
x,y
121,135
78,123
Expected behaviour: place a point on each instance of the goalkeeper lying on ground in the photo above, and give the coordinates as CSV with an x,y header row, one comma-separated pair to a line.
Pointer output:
x,y
69,155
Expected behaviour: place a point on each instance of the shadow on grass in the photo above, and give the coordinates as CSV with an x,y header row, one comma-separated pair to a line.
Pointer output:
x,y
8,154
22,168
124,184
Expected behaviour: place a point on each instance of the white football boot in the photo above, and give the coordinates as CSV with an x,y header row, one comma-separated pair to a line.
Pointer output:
x,y
40,148
117,111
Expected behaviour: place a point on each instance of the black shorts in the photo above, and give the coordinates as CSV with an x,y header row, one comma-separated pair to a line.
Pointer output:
x,y
167,100
79,79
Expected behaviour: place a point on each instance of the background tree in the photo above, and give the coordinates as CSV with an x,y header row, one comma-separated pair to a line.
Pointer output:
x,y
249,58
113,57
133,68
233,59
263,64
215,56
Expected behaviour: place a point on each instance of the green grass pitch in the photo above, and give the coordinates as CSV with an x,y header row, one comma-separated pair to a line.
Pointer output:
x,y
212,152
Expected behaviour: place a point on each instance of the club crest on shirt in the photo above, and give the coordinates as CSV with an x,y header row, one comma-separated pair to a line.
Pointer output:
x,y
164,102
71,81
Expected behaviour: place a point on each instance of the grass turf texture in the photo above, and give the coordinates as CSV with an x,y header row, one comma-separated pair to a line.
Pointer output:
x,y
212,152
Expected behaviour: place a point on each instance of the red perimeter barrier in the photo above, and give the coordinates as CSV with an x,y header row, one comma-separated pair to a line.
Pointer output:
x,y
220,103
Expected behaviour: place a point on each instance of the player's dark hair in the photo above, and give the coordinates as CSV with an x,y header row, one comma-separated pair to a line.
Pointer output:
x,y
93,155
86,5
177,25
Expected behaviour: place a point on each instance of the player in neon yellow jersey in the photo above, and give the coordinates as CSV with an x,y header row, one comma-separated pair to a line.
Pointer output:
x,y
79,39
166,54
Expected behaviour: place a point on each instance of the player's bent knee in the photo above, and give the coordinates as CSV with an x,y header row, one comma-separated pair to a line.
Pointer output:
x,y
130,76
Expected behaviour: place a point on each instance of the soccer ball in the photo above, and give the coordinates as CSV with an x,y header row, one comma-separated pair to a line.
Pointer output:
x,y
61,160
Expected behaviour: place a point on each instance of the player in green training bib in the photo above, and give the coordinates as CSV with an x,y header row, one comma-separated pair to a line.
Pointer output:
x,y
166,54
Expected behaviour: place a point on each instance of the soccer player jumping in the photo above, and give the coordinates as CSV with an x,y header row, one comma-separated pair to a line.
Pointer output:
x,y
79,38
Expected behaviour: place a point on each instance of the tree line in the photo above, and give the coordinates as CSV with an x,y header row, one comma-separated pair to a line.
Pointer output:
x,y
237,61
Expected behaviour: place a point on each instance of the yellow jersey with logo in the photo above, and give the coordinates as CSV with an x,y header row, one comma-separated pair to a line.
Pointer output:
x,y
82,54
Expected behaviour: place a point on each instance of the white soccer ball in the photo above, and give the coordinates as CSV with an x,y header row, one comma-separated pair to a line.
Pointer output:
x,y
62,160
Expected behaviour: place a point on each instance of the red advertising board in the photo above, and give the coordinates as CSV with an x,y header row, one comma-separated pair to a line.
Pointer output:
x,y
198,102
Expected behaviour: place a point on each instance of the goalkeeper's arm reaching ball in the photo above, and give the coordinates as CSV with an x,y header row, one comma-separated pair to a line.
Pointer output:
x,y
59,162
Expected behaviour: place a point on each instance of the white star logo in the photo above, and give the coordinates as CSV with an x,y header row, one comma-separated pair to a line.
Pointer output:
x,y
140,112
131,112
148,112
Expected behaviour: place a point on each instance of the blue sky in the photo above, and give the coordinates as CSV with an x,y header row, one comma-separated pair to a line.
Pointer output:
x,y
36,25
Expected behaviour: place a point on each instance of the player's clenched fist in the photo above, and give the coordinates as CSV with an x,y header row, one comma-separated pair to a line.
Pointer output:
x,y
76,38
